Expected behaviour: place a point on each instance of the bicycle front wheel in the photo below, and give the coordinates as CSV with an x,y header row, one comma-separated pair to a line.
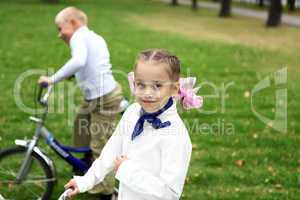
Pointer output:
x,y
39,181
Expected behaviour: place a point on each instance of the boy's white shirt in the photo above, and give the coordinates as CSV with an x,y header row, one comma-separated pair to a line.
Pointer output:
x,y
90,62
158,159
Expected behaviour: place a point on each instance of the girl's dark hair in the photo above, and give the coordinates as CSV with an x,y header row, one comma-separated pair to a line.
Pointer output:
x,y
161,56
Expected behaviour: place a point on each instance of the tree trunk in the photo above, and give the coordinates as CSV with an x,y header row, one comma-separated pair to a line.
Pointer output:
x,y
275,11
194,4
174,2
225,10
261,3
51,1
291,5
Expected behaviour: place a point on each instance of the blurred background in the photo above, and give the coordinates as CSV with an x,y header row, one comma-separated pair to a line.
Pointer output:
x,y
244,53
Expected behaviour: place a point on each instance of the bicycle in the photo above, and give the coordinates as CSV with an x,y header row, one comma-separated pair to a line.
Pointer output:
x,y
27,172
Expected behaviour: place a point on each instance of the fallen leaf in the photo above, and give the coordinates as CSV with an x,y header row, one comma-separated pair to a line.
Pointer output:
x,y
278,186
247,94
194,146
270,169
240,163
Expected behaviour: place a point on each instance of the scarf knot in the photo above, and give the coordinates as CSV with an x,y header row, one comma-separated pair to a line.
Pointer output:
x,y
155,122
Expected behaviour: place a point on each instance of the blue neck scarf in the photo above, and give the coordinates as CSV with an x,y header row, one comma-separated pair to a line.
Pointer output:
x,y
152,119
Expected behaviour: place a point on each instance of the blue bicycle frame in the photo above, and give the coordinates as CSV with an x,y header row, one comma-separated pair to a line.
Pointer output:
x,y
64,151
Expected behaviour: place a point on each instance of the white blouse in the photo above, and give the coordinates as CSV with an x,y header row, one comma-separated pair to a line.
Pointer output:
x,y
158,159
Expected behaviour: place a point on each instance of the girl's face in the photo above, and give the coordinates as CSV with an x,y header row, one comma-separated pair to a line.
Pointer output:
x,y
153,85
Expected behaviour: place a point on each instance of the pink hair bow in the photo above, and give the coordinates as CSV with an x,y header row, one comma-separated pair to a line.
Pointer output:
x,y
186,95
130,77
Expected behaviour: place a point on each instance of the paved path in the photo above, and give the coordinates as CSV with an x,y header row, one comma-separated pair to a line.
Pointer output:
x,y
286,19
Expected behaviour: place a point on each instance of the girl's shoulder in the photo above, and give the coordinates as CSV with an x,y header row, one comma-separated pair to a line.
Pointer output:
x,y
177,133
178,125
132,109
176,129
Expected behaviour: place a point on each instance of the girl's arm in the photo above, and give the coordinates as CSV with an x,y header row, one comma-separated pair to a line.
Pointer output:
x,y
105,163
176,153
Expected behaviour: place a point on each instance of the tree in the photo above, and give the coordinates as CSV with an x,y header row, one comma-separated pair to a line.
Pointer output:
x,y
174,2
291,5
51,1
275,11
261,3
225,10
194,4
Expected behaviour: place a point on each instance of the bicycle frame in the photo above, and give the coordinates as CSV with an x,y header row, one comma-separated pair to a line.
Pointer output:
x,y
63,151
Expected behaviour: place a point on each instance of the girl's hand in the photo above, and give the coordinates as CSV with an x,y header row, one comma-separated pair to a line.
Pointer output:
x,y
119,161
72,184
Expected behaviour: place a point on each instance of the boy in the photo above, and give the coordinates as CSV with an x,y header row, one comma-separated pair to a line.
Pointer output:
x,y
90,63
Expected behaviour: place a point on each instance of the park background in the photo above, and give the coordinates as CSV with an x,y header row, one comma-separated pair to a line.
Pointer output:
x,y
235,154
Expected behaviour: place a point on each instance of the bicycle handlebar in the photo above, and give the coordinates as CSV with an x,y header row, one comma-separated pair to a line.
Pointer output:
x,y
44,100
65,194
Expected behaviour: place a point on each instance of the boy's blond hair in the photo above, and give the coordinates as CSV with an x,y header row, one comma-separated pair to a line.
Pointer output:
x,y
71,13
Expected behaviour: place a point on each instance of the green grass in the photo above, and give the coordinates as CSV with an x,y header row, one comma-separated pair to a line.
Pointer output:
x,y
237,50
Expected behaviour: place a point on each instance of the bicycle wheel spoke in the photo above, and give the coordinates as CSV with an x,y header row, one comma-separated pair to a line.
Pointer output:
x,y
35,194
8,172
40,180
35,182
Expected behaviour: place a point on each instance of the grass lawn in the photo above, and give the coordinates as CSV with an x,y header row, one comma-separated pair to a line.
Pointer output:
x,y
240,157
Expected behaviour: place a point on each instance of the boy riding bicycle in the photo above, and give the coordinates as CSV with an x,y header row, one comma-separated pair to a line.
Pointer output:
x,y
90,63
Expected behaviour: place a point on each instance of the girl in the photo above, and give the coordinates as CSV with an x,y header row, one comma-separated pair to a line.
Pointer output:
x,y
150,149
